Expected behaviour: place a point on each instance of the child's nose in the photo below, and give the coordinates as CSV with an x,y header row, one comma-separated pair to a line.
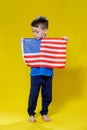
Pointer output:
x,y
34,33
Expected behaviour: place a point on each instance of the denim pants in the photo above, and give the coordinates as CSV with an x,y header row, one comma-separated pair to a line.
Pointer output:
x,y
45,83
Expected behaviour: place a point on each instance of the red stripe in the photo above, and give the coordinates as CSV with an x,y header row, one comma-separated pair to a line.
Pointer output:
x,y
47,66
52,52
55,43
31,56
54,57
52,47
52,62
53,38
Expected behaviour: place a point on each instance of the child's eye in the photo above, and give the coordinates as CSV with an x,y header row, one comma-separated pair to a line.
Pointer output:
x,y
37,32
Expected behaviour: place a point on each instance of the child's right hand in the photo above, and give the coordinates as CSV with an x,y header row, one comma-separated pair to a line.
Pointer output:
x,y
21,41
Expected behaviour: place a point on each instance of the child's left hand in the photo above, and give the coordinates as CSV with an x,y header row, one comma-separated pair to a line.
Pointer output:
x,y
65,38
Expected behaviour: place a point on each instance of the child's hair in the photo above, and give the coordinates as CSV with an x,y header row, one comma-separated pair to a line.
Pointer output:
x,y
41,20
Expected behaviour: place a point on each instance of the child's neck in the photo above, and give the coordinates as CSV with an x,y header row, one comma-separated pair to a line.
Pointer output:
x,y
44,36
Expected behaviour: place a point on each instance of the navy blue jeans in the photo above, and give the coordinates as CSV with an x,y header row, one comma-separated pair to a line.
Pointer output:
x,y
45,83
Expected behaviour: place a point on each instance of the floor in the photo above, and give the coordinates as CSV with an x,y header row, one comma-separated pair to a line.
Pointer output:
x,y
72,116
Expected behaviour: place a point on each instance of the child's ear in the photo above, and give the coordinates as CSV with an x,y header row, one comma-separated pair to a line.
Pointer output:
x,y
45,30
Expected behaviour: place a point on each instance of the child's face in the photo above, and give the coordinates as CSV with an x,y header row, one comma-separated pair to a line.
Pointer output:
x,y
39,32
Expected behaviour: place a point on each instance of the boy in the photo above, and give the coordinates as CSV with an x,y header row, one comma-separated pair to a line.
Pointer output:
x,y
40,77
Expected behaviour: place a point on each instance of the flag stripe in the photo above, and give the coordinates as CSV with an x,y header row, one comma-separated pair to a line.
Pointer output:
x,y
52,50
45,59
44,63
53,47
48,56
47,66
53,44
53,41
45,54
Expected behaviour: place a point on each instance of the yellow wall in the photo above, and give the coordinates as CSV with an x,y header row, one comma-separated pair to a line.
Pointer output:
x,y
66,18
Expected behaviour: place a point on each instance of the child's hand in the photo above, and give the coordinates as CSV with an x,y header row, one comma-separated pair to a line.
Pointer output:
x,y
21,41
65,38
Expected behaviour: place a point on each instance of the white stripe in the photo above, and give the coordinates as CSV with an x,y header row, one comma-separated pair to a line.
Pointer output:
x,y
46,59
53,50
53,40
52,45
45,54
43,63
56,55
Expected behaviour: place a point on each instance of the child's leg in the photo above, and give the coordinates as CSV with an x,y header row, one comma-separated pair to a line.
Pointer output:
x,y
34,91
46,96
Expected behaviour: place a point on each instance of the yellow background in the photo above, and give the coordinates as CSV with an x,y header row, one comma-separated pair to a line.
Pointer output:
x,y
68,110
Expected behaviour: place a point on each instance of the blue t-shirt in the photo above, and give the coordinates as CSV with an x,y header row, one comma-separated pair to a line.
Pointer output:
x,y
41,71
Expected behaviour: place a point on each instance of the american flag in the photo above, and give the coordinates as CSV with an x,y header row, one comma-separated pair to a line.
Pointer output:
x,y
46,52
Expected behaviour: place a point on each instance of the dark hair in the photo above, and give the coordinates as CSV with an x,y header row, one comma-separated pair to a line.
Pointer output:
x,y
41,20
